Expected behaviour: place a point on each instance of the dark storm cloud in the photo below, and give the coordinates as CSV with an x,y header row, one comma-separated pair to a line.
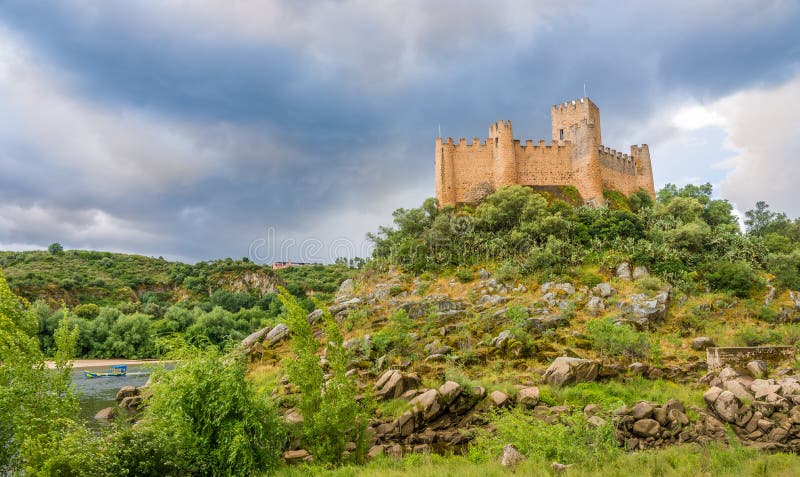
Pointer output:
x,y
206,123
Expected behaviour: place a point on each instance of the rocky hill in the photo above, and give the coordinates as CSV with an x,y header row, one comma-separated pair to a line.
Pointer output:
x,y
626,351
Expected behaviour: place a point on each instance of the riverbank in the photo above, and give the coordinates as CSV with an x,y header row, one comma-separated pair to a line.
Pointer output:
x,y
100,363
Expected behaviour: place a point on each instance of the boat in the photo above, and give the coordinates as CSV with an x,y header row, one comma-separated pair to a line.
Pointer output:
x,y
117,370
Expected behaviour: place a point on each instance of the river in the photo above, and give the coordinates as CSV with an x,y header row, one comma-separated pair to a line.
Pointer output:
x,y
98,393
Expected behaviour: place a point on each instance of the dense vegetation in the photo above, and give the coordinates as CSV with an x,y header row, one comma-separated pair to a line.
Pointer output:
x,y
202,418
684,237
122,303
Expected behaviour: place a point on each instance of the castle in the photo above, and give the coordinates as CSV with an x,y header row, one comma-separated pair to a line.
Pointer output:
x,y
466,173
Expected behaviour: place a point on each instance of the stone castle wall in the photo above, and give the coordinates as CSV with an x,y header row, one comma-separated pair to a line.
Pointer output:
x,y
467,172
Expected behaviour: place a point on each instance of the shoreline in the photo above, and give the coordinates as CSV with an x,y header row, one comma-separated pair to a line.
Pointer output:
x,y
100,363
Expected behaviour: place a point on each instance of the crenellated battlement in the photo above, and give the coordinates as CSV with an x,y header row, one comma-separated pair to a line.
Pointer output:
x,y
468,171
541,145
614,153
463,144
573,104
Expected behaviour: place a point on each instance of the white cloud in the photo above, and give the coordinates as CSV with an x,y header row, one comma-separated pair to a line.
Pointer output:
x,y
693,117
761,127
74,227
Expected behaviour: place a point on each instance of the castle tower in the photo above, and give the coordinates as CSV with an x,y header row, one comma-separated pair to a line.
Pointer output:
x,y
573,113
577,123
504,163
445,177
644,170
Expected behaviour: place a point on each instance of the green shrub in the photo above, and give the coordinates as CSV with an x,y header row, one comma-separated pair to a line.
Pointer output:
x,y
508,272
217,423
617,340
751,336
649,284
737,278
767,314
87,310
464,275
786,268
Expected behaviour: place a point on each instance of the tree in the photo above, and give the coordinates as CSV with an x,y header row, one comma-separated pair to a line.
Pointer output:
x,y
55,249
759,218
331,414
36,404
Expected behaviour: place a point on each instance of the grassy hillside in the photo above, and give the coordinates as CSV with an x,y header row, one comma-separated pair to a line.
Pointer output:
x,y
79,276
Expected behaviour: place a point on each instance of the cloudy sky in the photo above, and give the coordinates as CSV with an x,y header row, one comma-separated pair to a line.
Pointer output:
x,y
206,129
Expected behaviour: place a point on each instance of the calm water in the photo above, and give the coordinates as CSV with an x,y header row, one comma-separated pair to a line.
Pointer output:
x,y
98,393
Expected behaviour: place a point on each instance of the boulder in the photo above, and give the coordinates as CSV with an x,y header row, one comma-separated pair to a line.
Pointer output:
x,y
639,369
107,414
640,272
346,290
646,428
727,374
762,388
296,456
492,300
592,410
540,325
641,410
559,467
710,396
674,404
596,421
528,397
738,389
624,271
394,383
726,406
436,347
314,316
501,338
701,343
131,402
559,288
126,391
375,451
645,311
277,334
255,337
757,368
511,456
449,392
595,305
427,404
603,290
565,370
789,386
499,399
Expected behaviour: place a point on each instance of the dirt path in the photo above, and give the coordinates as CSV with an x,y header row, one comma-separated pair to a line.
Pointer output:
x,y
104,363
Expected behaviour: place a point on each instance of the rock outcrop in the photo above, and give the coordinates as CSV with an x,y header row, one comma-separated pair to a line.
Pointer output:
x,y
565,370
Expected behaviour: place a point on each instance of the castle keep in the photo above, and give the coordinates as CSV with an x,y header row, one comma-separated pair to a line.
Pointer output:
x,y
466,173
